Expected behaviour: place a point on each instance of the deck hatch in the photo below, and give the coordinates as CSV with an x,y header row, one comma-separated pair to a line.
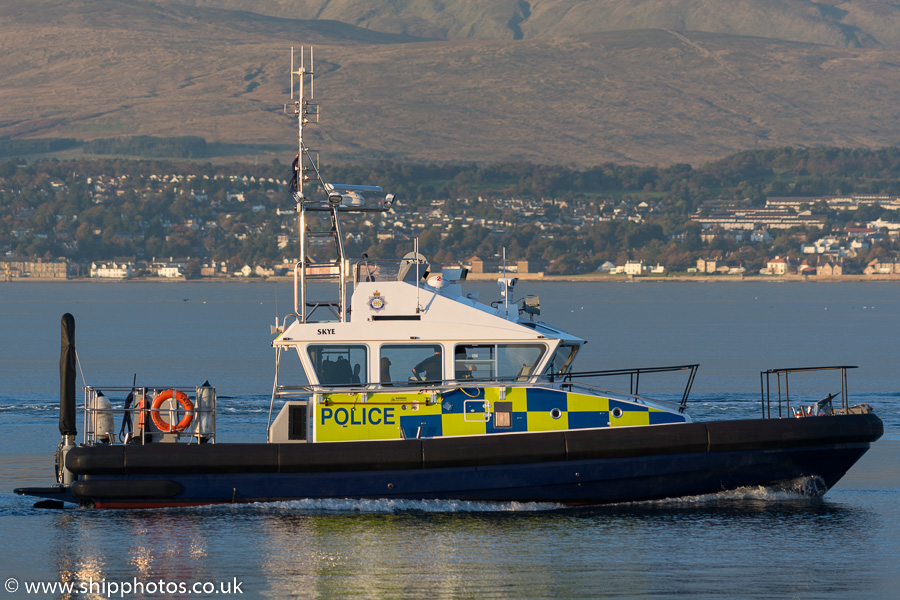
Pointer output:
x,y
503,415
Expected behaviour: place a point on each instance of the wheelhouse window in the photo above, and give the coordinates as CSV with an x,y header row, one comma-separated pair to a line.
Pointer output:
x,y
510,362
411,364
562,360
339,364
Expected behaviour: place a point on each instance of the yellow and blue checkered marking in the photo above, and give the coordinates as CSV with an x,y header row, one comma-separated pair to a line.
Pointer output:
x,y
473,411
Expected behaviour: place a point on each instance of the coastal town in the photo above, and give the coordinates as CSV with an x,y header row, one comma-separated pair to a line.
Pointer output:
x,y
191,225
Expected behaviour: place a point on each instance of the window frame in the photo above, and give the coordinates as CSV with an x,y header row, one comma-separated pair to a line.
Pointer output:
x,y
406,366
335,348
462,367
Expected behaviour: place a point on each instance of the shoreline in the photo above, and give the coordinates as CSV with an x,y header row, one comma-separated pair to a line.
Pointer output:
x,y
588,278
594,278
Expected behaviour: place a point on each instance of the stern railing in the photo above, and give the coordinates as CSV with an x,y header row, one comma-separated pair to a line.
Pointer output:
x,y
129,415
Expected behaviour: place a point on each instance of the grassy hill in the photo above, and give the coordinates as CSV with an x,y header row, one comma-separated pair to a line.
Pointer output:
x,y
405,80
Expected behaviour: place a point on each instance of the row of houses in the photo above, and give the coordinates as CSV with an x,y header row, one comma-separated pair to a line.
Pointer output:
x,y
750,219
714,266
37,268
851,202
129,267
737,221
831,268
126,268
776,266
633,268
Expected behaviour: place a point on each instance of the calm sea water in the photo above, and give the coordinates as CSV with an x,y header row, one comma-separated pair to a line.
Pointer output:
x,y
754,543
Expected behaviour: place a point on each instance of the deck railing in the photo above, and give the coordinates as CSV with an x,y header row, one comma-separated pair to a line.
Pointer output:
x,y
634,376
131,416
782,380
562,382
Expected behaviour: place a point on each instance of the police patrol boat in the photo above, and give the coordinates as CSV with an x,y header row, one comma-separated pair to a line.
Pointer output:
x,y
417,390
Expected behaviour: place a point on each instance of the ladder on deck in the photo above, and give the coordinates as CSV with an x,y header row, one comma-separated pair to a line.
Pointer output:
x,y
325,268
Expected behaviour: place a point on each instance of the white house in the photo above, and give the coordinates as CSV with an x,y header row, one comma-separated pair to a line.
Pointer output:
x,y
761,236
777,266
634,267
112,270
170,271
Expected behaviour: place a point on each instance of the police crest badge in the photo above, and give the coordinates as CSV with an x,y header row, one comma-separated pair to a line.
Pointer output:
x,y
376,301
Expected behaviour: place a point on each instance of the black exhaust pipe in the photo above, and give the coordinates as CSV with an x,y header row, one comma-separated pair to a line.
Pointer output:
x,y
67,424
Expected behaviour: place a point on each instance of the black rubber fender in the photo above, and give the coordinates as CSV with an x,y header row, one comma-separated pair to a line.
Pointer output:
x,y
124,489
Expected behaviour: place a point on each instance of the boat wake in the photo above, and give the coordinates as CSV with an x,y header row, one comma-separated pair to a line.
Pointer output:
x,y
801,488
390,506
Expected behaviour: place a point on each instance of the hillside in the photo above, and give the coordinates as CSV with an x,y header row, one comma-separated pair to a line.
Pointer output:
x,y
833,22
568,92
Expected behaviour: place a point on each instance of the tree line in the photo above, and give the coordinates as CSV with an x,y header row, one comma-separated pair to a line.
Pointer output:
x,y
49,209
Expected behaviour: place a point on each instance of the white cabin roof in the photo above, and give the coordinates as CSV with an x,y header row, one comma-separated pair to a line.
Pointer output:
x,y
401,311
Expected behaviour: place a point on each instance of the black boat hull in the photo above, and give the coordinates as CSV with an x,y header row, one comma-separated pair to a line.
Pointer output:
x,y
570,467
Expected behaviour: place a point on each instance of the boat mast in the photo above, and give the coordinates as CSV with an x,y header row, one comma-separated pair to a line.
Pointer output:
x,y
306,174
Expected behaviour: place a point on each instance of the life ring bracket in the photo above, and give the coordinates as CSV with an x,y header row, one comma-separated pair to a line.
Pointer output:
x,y
183,400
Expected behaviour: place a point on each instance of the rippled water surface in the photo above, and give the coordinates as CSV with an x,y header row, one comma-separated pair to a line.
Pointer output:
x,y
751,543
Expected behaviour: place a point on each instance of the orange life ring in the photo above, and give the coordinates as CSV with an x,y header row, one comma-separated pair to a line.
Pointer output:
x,y
186,404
